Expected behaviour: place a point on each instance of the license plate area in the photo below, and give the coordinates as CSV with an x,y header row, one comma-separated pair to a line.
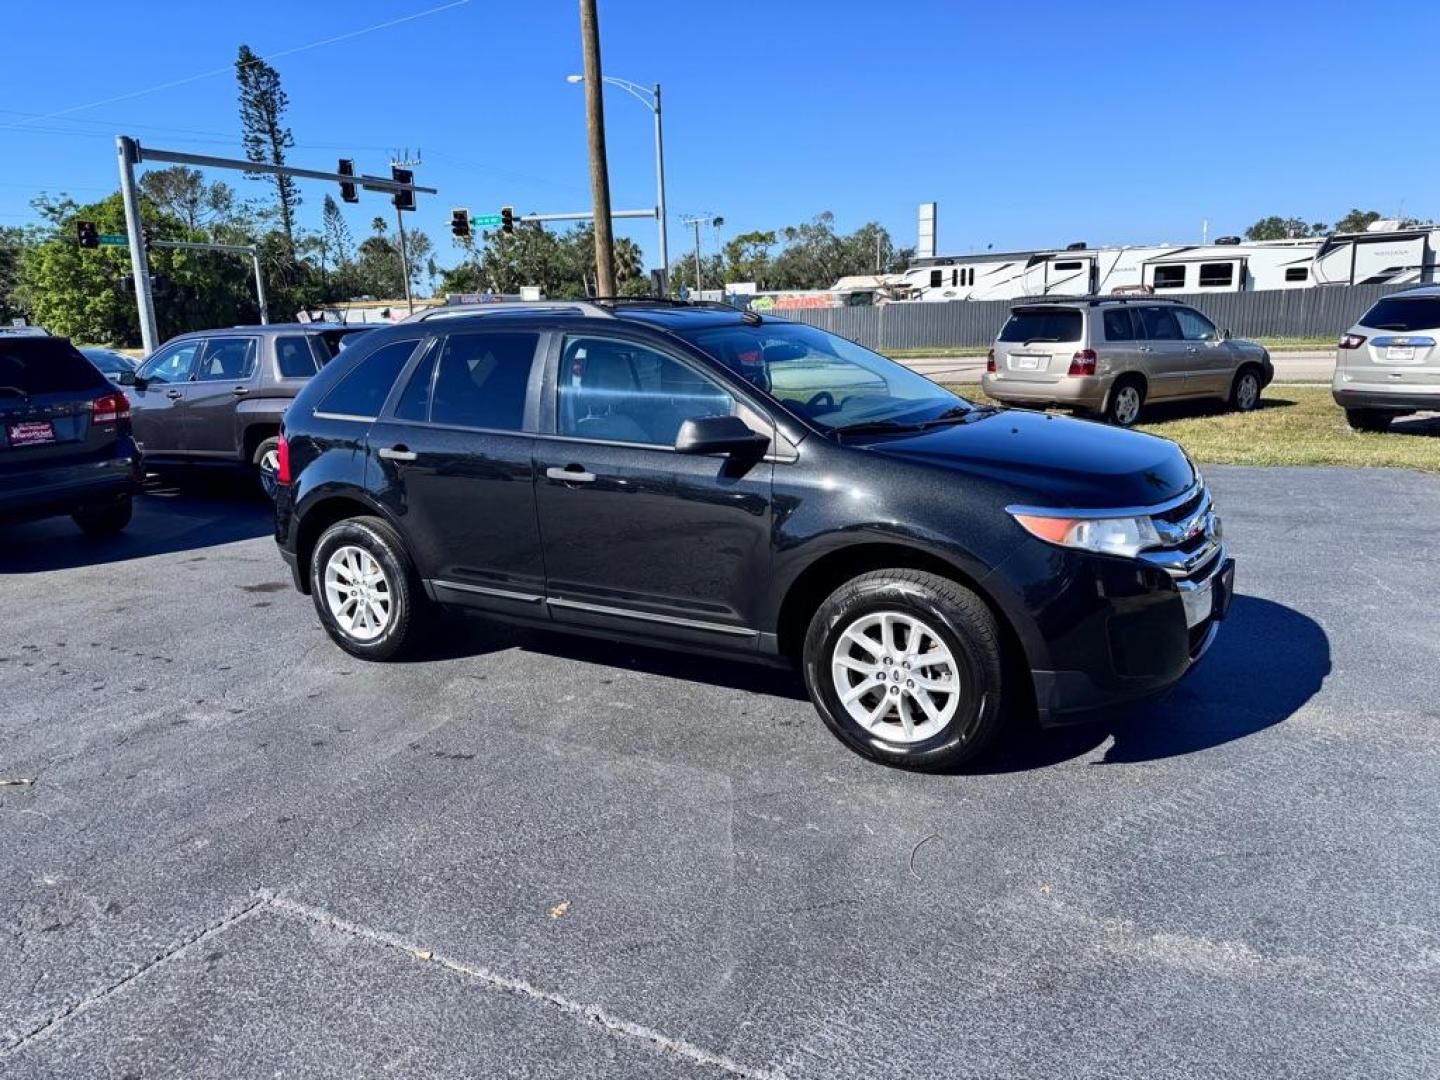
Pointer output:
x,y
1400,354
1027,363
30,433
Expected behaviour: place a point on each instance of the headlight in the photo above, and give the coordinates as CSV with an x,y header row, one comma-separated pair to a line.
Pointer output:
x,y
1109,536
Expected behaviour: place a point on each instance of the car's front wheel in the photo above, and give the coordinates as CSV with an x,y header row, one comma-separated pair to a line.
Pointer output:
x,y
906,667
1126,400
1245,393
368,599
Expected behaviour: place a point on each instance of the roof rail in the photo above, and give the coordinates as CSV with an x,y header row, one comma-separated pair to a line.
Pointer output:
x,y
663,301
510,307
1092,301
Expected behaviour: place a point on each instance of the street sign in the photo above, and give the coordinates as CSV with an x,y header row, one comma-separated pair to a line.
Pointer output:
x,y
113,240
484,220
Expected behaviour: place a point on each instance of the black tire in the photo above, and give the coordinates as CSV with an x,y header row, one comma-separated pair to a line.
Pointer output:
x,y
409,609
959,619
1368,419
264,460
1245,390
106,519
1118,407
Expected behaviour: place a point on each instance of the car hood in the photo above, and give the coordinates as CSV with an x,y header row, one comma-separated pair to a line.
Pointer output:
x,y
1060,461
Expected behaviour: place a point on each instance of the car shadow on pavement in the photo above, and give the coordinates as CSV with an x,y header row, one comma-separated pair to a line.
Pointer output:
x,y
199,511
1267,662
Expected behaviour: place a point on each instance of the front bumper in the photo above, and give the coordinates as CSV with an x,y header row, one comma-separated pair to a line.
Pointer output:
x,y
1144,646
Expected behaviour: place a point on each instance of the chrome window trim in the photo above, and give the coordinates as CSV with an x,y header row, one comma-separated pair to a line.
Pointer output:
x,y
320,415
647,616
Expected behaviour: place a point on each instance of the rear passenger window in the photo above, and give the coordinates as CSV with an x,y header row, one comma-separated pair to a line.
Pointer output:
x,y
481,380
362,392
226,360
414,403
294,358
1117,325
1160,324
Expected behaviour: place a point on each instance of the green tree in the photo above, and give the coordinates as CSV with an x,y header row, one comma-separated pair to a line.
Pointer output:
x,y
1278,228
13,244
747,258
338,244
1357,221
183,193
266,138
559,264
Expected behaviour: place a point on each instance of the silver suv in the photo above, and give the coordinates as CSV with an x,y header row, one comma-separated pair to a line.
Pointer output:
x,y
1110,355
1388,364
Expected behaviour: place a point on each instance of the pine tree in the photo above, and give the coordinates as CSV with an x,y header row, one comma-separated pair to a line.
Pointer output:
x,y
262,114
337,234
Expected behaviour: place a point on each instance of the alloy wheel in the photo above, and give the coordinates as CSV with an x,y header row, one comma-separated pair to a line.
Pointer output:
x,y
1247,394
270,472
1127,405
896,677
358,593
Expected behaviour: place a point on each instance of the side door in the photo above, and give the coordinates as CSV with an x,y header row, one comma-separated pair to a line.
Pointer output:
x,y
1162,353
226,372
1211,359
159,400
638,538
453,460
1124,335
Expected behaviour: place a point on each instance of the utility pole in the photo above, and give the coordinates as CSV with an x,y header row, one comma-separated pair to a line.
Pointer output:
x,y
129,153
696,220
660,209
599,171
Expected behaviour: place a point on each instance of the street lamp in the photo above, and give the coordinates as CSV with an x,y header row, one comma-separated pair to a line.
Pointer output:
x,y
650,98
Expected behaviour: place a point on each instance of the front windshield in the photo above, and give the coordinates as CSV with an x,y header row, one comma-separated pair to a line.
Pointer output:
x,y
832,382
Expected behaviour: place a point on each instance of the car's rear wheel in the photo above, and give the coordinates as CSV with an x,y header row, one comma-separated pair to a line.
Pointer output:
x,y
1245,392
106,519
905,667
1368,419
1127,399
266,460
366,594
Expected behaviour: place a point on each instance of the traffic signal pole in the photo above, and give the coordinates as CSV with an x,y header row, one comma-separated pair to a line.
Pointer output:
x,y
129,154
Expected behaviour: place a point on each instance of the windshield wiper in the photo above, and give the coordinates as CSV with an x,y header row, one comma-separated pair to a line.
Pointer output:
x,y
861,426
1033,340
17,391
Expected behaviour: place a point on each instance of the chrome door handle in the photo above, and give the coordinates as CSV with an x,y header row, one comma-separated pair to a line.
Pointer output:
x,y
172,394
573,475
240,391
397,453
1144,348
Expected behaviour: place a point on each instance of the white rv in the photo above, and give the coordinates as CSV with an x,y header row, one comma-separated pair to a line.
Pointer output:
x,y
1230,265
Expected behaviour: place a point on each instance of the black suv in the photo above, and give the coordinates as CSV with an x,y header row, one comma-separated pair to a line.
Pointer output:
x,y
65,445
216,396
736,484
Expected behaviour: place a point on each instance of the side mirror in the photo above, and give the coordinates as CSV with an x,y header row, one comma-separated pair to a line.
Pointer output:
x,y
127,377
719,435
1225,334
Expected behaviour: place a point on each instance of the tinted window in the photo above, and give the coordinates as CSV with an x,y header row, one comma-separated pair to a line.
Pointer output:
x,y
1159,324
936,279
227,360
172,364
1216,275
1117,325
1404,314
109,361
1297,273
363,391
1044,324
481,380
622,392
40,365
1194,326
1068,265
294,358
1170,277
414,403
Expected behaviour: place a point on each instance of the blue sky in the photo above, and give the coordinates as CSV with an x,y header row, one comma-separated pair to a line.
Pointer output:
x,y
1031,124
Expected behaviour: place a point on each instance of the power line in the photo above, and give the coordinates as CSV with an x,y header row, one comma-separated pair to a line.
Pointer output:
x,y
23,124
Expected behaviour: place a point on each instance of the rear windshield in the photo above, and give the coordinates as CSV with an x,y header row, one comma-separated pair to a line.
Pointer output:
x,y
1044,324
43,365
333,341
1404,314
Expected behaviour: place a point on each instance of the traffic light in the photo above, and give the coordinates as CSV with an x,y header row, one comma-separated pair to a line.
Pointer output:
x,y
347,190
87,234
507,219
146,236
404,200
460,223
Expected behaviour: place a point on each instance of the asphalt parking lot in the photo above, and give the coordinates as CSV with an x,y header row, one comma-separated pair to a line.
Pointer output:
x,y
245,853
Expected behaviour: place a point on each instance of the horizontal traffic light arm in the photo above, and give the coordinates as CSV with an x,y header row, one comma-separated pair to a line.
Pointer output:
x,y
204,161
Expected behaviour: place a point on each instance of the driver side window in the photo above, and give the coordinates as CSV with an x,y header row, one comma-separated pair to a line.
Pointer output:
x,y
1194,326
619,391
171,365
